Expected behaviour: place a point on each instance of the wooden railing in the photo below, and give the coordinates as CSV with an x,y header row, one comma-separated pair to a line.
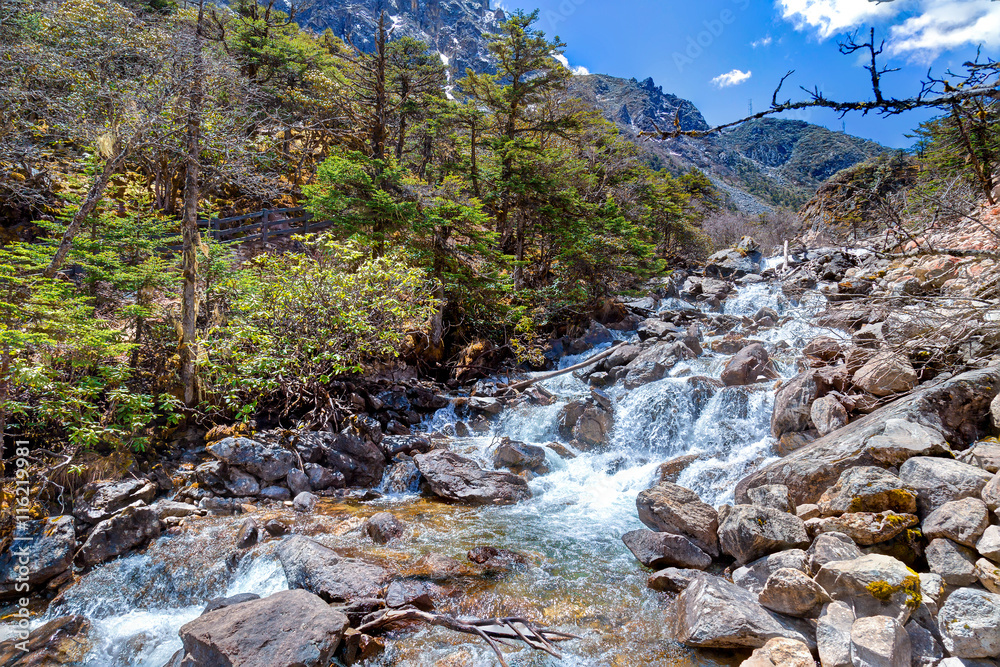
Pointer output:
x,y
291,221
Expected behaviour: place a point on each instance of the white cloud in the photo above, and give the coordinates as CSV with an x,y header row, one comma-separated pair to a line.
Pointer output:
x,y
578,71
734,78
919,28
763,41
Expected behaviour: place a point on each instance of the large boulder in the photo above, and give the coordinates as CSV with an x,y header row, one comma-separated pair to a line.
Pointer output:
x,y
873,585
886,374
774,496
969,623
130,528
660,550
939,481
989,544
746,532
830,547
321,570
383,527
753,576
749,365
97,501
833,635
714,613
671,579
955,564
655,362
920,424
865,528
868,489
793,405
265,460
459,479
44,547
961,521
288,629
781,652
670,508
593,427
519,456
828,414
879,641
791,592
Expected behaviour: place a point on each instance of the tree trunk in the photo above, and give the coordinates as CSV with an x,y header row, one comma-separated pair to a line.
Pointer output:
x,y
189,224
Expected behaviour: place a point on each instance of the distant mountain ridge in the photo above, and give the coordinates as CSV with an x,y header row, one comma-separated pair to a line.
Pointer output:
x,y
761,165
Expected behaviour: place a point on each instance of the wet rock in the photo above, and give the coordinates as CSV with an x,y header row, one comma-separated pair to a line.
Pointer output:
x,y
865,528
288,629
436,566
672,469
886,374
485,405
872,585
827,414
989,544
304,502
747,532
248,534
403,592
879,641
167,508
568,416
357,647
951,409
321,478
791,592
393,445
781,652
868,489
671,579
321,570
988,574
823,350
494,558
596,334
655,362
222,603
383,527
622,355
833,635
268,461
212,476
938,481
961,521
953,562
969,623
97,501
275,528
925,649
714,613
47,545
774,496
754,576
750,365
593,427
217,506
298,482
278,493
519,456
130,528
61,641
792,405
659,550
357,610
656,328
459,479
670,508
402,477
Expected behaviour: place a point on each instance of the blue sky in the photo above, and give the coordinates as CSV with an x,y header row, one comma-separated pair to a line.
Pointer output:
x,y
722,53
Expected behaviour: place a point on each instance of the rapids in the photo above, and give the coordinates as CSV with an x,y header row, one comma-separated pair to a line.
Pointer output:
x,y
581,579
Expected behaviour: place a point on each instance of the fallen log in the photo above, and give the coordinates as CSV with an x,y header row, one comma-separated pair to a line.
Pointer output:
x,y
495,631
519,386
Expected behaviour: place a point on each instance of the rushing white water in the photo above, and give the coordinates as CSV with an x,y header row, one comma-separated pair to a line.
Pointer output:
x,y
582,577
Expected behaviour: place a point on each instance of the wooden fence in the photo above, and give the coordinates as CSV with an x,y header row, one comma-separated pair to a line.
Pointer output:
x,y
266,224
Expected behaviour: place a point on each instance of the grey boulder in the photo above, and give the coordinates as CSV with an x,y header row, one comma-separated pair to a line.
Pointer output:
x,y
670,508
969,623
459,479
939,481
130,528
659,550
961,521
879,641
747,532
873,585
953,562
321,570
868,489
791,592
97,501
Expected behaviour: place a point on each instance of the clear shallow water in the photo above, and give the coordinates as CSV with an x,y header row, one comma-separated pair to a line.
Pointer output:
x,y
581,578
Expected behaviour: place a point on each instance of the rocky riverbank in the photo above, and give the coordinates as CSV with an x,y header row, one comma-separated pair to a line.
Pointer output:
x,y
801,461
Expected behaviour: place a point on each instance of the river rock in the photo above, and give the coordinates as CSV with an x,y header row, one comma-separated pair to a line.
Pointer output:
x,y
956,564
989,544
166,508
403,592
823,350
659,550
519,456
485,405
248,534
393,445
868,489
948,411
879,641
774,496
97,501
653,363
833,635
791,592
130,528
872,585
321,570
242,484
969,623
61,641
459,479
792,405
753,576
886,374
747,367
47,545
671,470
655,328
298,482
938,481
961,521
322,478
212,476
747,532
864,528
288,629
277,493
925,649
671,579
265,460
383,527
828,414
714,613
781,652
670,508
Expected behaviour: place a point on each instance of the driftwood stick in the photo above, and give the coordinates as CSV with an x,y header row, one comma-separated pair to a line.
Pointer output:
x,y
519,386
494,630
